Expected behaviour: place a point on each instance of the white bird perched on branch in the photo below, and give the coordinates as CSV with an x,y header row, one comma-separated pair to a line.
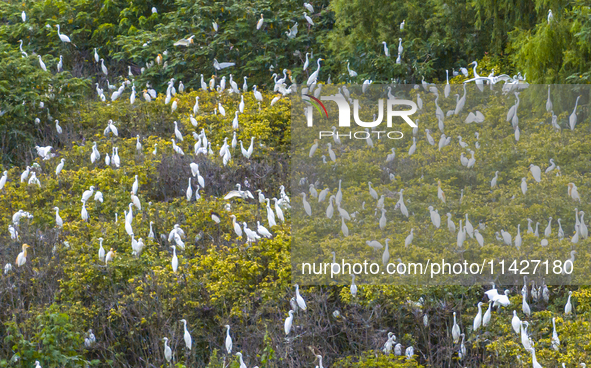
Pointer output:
x,y
167,350
299,300
228,340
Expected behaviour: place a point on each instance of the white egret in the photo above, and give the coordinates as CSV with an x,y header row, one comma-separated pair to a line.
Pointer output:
x,y
534,360
308,19
306,205
257,95
167,350
568,308
572,119
104,68
187,335
525,341
447,87
523,185
386,254
175,260
536,172
353,287
301,302
440,193
263,230
352,73
555,339
478,319
516,323
524,306
101,251
189,192
63,37
314,76
409,238
487,315
58,220
435,218
42,64
288,323
455,330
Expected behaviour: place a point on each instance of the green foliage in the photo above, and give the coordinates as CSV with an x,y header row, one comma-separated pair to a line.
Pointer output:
x,y
50,338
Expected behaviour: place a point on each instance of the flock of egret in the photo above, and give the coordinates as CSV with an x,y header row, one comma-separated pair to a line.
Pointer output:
x,y
275,213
